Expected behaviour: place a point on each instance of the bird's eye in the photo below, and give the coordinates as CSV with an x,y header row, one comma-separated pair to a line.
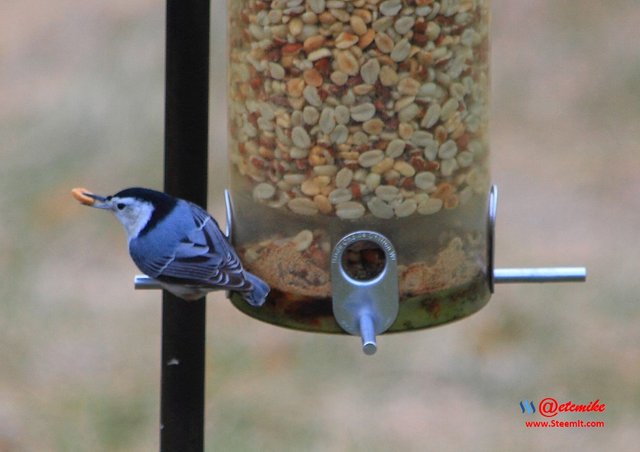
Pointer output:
x,y
120,206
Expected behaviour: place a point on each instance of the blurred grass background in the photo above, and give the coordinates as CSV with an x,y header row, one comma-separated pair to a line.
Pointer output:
x,y
81,90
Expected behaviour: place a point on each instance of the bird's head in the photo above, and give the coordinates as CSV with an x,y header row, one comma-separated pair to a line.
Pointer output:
x,y
138,209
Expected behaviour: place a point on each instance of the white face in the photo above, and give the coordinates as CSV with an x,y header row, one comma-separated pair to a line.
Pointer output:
x,y
132,213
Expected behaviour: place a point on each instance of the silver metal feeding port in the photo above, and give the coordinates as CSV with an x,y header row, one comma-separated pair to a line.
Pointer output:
x,y
366,303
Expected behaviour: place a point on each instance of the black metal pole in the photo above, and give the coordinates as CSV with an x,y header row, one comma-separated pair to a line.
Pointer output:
x,y
185,173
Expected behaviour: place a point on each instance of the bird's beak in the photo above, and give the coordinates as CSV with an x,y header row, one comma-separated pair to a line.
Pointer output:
x,y
99,202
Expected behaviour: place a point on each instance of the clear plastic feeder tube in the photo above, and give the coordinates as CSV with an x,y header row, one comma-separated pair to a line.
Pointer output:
x,y
354,115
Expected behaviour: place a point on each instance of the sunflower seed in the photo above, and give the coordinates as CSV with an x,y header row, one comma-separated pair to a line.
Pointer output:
x,y
388,77
310,115
367,38
431,150
317,6
264,191
430,206
390,7
302,206
327,120
363,112
373,126
372,180
358,25
340,14
303,240
428,89
339,78
276,71
401,50
369,71
340,195
347,63
297,153
350,210
408,113
433,30
325,170
342,114
346,40
312,77
425,180
294,179
385,165
421,138
310,94
403,102
382,24
395,148
431,117
387,193
404,24
300,137
384,42
448,150
339,134
313,43
448,166
323,204
405,208
404,168
369,158
310,188
344,178
295,87
380,209
318,54
448,109
408,86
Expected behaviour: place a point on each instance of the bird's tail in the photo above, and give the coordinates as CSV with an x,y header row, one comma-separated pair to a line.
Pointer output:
x,y
258,294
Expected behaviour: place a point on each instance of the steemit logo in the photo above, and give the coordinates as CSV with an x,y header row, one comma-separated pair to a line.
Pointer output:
x,y
527,406
549,407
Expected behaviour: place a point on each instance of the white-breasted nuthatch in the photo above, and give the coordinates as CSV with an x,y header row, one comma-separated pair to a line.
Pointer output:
x,y
178,244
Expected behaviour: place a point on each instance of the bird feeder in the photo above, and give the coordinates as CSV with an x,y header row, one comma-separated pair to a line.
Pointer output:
x,y
359,163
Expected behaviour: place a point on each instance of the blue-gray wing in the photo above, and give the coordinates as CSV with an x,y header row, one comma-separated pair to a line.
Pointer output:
x,y
202,256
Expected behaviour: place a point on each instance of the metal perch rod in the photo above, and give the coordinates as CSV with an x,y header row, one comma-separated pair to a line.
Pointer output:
x,y
501,276
540,275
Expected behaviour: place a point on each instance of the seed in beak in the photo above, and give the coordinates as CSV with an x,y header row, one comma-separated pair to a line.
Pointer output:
x,y
82,195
